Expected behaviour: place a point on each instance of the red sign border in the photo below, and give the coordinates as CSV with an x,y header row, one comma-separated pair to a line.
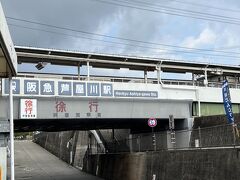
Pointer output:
x,y
150,120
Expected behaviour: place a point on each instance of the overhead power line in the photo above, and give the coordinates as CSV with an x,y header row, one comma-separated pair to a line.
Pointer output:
x,y
207,6
163,7
172,12
120,38
132,45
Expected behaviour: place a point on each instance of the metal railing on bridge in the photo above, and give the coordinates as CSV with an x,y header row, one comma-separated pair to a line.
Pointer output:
x,y
177,82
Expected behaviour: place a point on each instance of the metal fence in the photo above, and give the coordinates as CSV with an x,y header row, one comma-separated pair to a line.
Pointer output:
x,y
209,137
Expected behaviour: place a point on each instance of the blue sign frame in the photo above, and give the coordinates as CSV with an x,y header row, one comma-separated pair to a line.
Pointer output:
x,y
79,89
15,86
31,87
106,89
47,88
65,88
93,89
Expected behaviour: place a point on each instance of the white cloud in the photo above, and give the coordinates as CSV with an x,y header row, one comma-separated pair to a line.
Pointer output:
x,y
206,37
227,37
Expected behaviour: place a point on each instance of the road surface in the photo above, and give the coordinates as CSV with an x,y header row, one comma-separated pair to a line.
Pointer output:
x,y
35,163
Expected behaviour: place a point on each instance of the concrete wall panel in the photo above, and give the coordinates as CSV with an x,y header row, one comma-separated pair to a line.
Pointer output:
x,y
212,164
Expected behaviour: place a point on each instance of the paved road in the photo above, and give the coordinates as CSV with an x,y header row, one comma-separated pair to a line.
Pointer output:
x,y
35,163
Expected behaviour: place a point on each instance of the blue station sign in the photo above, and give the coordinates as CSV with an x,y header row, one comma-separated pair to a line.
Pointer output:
x,y
47,87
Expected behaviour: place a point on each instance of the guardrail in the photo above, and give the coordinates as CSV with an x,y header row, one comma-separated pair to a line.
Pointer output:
x,y
136,80
175,82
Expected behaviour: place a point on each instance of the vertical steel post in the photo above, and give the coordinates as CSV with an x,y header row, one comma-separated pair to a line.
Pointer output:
x,y
158,75
200,136
199,108
71,157
236,81
78,71
199,103
145,76
88,71
113,140
154,140
130,141
234,135
11,128
193,79
139,143
205,78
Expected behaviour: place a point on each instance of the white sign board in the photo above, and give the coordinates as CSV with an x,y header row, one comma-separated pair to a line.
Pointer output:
x,y
28,109
7,48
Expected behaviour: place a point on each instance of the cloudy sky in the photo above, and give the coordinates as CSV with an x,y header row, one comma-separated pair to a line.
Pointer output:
x,y
180,29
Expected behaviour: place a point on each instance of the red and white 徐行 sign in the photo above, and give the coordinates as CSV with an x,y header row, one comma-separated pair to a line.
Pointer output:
x,y
28,109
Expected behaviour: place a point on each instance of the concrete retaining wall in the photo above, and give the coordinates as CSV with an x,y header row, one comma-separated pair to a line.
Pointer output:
x,y
220,164
70,146
56,143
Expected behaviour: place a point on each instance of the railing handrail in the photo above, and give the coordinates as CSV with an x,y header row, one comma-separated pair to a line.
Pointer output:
x,y
179,82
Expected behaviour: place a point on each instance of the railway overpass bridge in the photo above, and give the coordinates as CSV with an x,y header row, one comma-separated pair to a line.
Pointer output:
x,y
58,102
47,102
55,105
51,102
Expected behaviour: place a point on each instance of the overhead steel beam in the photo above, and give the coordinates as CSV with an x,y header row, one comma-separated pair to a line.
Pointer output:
x,y
68,58
72,61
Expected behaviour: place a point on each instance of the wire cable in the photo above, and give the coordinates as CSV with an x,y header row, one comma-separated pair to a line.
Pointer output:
x,y
120,38
136,2
133,45
169,12
206,6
